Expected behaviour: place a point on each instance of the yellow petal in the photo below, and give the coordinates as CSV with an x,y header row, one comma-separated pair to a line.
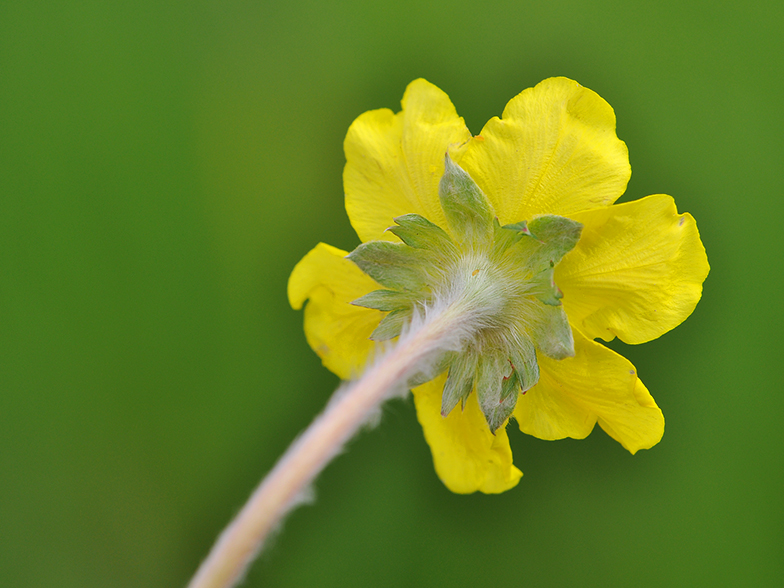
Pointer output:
x,y
337,330
636,432
466,455
595,384
395,161
554,151
636,272
546,412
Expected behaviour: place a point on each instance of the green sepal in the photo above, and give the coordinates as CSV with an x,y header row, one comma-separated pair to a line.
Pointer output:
x,y
391,325
386,300
554,336
494,370
500,412
557,236
393,265
550,237
510,385
418,232
503,238
459,381
434,369
466,208
523,357
520,228
547,291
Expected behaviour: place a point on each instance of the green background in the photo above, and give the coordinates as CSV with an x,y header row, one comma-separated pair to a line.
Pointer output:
x,y
164,165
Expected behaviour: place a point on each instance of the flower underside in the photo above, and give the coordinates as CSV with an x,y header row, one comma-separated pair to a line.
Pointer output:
x,y
503,272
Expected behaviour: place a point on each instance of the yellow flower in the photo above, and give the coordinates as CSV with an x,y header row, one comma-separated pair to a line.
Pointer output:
x,y
635,273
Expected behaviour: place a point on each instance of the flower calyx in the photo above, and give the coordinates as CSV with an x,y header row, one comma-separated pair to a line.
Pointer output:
x,y
502,276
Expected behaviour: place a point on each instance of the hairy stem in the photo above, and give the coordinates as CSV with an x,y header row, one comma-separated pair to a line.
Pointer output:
x,y
436,332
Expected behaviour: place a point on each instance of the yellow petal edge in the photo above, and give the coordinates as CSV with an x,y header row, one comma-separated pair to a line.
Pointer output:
x,y
553,151
596,384
636,273
338,331
395,161
466,455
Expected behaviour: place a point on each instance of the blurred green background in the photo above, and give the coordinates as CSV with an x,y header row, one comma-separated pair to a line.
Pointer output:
x,y
164,165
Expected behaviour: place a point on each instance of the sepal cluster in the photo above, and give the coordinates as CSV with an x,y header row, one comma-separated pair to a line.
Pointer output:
x,y
506,270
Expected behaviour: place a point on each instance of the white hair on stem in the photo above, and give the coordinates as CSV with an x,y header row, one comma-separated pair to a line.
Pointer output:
x,y
453,318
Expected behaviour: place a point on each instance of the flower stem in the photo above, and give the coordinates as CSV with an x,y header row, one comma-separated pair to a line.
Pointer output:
x,y
429,336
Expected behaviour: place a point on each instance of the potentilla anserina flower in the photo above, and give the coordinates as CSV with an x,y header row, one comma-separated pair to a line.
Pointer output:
x,y
520,218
